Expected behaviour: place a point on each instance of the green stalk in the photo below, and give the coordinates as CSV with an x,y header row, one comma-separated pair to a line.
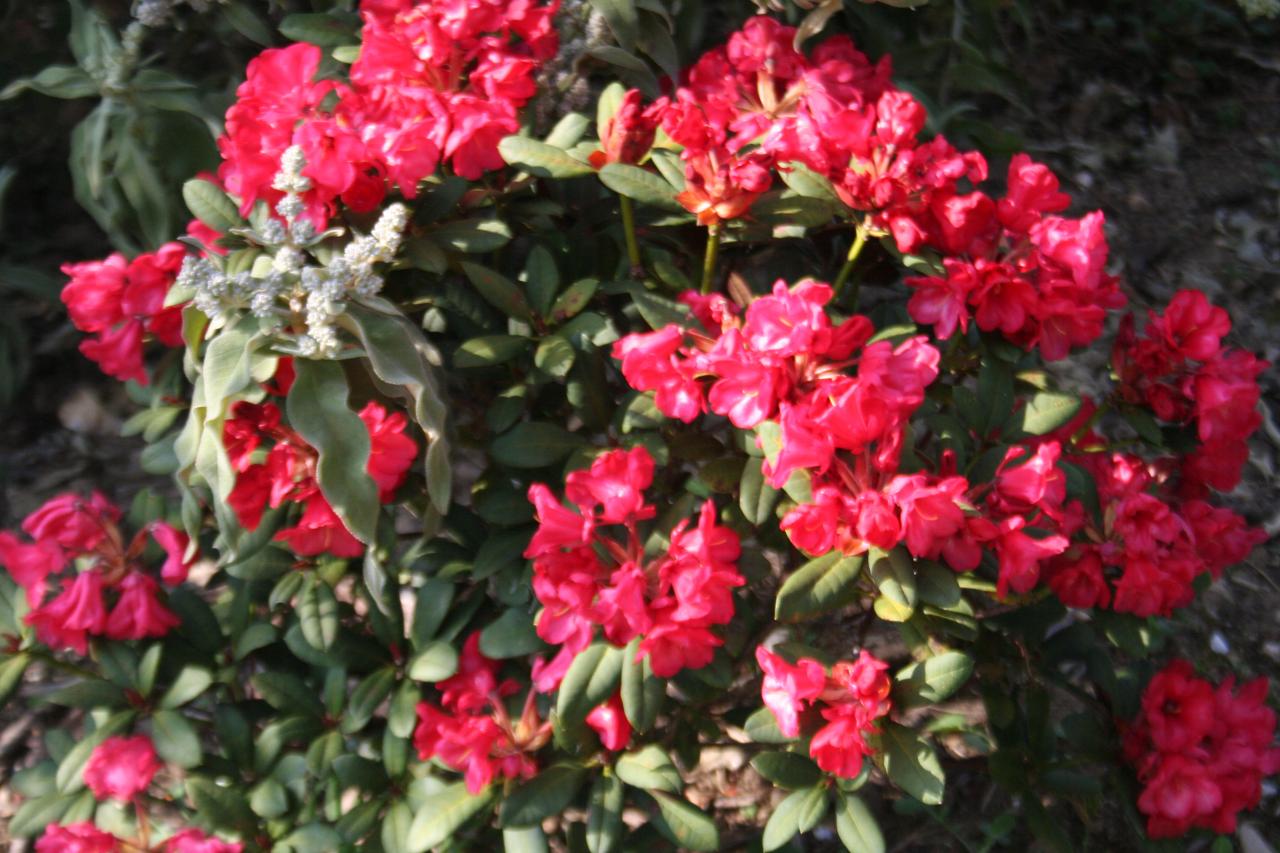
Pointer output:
x,y
859,240
709,259
629,229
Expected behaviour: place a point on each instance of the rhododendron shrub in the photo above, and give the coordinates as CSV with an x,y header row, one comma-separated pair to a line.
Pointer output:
x,y
514,477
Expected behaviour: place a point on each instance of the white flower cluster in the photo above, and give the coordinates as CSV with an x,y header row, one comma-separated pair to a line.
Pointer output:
x,y
302,300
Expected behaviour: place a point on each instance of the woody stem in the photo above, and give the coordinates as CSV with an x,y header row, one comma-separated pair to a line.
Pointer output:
x,y
709,259
859,240
629,230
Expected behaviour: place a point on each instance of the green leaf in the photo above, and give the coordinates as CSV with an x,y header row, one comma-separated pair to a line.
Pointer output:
x,y
401,356
437,661
640,185
208,203
511,635
805,182
69,777
175,739
366,698
604,817
268,799
894,575
910,763
642,691
756,498
684,825
11,671
528,840
498,290
630,69
590,680
541,159
473,236
995,393
546,794
623,20
190,683
574,299
819,586
92,693
554,356
936,584
534,444
568,130
649,768
489,350
789,770
1047,411
287,693
1144,423
433,601
318,28
219,806
318,615
856,825
395,828
317,409
55,81
443,813
931,680
762,727
800,812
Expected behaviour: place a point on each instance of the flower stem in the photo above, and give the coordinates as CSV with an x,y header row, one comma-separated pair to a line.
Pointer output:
x,y
859,240
629,230
709,259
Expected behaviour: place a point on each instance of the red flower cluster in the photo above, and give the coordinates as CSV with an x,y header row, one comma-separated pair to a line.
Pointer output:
x,y
286,472
471,731
83,535
628,134
84,837
585,577
121,768
1151,545
1201,752
1179,368
854,695
433,81
119,302
1039,280
784,363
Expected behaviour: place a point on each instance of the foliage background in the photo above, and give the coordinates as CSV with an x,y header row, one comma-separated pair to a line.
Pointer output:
x,y
1166,115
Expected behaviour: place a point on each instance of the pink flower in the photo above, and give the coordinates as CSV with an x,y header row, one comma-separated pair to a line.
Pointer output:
x,y
29,565
1180,791
1178,707
1032,192
73,615
120,768
391,452
615,485
82,837
138,613
788,688
195,841
71,521
174,543
1020,556
320,531
610,723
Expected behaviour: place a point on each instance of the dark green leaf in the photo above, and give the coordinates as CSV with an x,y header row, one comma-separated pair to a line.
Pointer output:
x,y
511,635
318,615
649,768
640,185
489,350
317,409
911,764
366,698
546,794
287,693
799,812
857,826
534,444
762,727
642,691
1047,411
931,680
55,81
604,819
528,840
473,236
498,290
219,806
541,159
819,586
318,28
894,575
437,661
175,739
685,825
554,356
208,203
190,683
590,680
756,498
574,299
789,770
622,18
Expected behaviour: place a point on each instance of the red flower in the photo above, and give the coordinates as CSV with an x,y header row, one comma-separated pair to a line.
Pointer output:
x,y
320,531
29,565
610,723
74,523
138,613
629,132
195,841
174,543
82,837
787,688
74,614
120,768
1178,707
